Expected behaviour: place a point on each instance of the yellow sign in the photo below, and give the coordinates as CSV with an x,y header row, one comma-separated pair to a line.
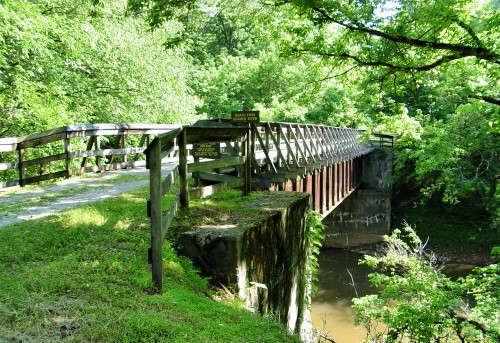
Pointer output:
x,y
245,117
206,150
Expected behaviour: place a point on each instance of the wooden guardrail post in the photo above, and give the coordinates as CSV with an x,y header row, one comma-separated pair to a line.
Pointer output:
x,y
154,165
183,172
249,151
67,151
22,175
157,189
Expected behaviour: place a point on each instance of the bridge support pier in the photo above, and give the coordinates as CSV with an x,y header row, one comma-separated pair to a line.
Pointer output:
x,y
365,216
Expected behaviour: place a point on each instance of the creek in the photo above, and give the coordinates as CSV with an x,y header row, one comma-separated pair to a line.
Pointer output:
x,y
341,278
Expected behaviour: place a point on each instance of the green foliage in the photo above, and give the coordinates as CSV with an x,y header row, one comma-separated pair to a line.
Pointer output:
x,y
449,228
464,165
82,275
418,303
397,36
314,241
72,63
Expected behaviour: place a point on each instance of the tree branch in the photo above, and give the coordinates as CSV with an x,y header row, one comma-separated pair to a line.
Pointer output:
x,y
463,50
426,67
485,98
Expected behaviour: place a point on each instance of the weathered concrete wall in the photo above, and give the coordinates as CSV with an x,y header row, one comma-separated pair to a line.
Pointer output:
x,y
365,216
260,252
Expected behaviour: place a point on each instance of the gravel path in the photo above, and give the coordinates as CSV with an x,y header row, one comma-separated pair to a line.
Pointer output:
x,y
81,190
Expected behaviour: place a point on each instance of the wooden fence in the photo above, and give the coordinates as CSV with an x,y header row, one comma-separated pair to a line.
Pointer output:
x,y
382,140
74,150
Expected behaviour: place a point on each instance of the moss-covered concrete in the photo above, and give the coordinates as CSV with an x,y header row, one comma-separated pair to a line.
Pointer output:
x,y
260,252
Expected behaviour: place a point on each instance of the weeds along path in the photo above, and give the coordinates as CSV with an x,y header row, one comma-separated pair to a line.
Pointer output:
x,y
35,202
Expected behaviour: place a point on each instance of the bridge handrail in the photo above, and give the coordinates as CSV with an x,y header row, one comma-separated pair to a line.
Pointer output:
x,y
382,140
162,146
66,135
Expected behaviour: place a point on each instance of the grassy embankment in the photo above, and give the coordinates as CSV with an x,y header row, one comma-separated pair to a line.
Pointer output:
x,y
82,275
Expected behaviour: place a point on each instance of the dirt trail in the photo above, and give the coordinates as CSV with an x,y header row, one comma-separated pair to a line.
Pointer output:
x,y
81,191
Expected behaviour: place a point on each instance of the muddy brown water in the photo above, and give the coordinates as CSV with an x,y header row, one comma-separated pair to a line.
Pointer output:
x,y
341,278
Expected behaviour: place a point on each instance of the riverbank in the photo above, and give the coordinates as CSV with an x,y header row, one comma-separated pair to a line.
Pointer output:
x,y
444,255
461,233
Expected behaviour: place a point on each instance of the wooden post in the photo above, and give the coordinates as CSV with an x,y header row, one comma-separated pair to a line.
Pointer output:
x,y
248,163
341,181
124,146
317,191
67,150
97,145
22,175
336,183
267,144
290,153
297,143
344,173
324,206
348,176
183,172
351,174
298,184
154,163
278,146
309,187
330,187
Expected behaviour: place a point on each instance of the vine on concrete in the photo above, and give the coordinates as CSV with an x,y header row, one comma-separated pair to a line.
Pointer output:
x,y
314,241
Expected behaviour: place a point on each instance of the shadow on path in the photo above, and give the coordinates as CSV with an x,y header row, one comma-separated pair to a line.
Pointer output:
x,y
37,202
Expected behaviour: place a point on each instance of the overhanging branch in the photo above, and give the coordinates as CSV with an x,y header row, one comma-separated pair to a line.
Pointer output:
x,y
362,62
460,50
485,98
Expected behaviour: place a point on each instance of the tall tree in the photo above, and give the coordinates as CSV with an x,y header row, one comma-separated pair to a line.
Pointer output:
x,y
76,62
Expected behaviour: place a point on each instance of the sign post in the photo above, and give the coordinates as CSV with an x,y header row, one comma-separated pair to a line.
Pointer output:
x,y
247,117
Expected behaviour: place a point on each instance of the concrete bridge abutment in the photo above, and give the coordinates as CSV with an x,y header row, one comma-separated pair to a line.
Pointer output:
x,y
365,216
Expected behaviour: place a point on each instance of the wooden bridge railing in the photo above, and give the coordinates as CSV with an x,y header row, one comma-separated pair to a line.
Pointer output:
x,y
74,150
382,140
230,156
321,160
318,159
288,149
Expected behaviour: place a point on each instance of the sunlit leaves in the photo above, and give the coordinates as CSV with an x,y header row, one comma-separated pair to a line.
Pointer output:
x,y
65,62
418,303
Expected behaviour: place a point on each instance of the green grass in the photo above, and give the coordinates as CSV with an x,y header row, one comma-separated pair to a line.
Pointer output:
x,y
208,211
41,198
83,276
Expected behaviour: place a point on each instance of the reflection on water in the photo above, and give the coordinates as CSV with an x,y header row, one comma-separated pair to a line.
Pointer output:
x,y
340,279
